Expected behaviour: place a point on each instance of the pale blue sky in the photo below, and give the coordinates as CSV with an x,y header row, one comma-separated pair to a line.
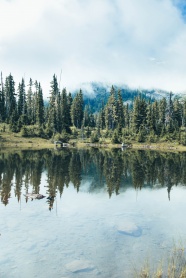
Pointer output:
x,y
141,43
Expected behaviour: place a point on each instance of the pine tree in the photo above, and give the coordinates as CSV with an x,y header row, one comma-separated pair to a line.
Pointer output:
x,y
58,113
65,112
39,106
86,116
111,110
77,110
139,113
169,123
150,125
162,110
15,126
29,101
169,110
69,105
52,113
21,105
34,102
102,116
184,114
127,116
120,112
2,101
10,97
177,113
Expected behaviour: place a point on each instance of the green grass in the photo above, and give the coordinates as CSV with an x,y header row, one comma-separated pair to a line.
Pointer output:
x,y
10,139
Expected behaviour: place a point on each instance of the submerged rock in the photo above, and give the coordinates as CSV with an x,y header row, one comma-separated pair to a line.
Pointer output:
x,y
34,196
129,228
79,266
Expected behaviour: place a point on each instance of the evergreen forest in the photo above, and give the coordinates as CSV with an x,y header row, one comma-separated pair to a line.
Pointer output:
x,y
65,116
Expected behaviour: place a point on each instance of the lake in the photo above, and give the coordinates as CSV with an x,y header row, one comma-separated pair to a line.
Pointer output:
x,y
104,213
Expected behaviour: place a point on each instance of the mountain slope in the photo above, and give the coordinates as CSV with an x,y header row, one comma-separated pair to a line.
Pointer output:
x,y
96,94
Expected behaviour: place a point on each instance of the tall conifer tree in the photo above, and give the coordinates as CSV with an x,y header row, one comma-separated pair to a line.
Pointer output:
x,y
10,97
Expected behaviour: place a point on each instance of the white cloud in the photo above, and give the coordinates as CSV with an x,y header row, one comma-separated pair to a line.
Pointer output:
x,y
140,43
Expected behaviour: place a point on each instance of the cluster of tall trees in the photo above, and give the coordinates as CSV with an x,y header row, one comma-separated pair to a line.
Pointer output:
x,y
21,107
25,106
142,120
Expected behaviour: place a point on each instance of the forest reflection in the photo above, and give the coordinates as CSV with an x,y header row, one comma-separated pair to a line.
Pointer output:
x,y
114,171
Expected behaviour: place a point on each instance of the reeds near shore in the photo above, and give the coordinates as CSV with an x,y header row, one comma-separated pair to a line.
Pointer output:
x,y
172,267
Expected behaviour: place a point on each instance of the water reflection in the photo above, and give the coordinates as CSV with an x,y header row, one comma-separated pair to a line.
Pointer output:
x,y
113,170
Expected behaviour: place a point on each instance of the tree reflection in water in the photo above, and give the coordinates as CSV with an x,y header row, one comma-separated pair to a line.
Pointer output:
x,y
114,169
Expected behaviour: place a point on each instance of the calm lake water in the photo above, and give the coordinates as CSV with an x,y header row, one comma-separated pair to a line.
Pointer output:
x,y
107,211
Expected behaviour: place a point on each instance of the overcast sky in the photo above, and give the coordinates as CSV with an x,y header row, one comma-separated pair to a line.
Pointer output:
x,y
141,43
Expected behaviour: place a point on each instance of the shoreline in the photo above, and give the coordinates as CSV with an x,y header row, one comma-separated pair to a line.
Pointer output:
x,y
137,146
15,141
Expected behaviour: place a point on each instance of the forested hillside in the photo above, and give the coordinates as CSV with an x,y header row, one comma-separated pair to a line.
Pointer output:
x,y
97,94
107,116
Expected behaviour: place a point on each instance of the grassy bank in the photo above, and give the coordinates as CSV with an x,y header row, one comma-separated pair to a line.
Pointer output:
x,y
160,146
15,140
140,146
9,139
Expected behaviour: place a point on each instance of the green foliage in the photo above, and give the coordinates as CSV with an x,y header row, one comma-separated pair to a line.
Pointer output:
x,y
63,137
94,138
57,137
10,97
74,133
139,113
48,132
77,110
39,106
183,138
24,132
144,120
115,137
152,137
41,133
87,132
141,136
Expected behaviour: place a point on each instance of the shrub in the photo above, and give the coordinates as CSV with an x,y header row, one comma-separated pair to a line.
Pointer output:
x,y
24,132
115,137
65,137
94,138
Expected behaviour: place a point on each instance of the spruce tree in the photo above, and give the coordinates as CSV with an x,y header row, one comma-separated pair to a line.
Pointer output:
x,y
77,110
162,110
52,110
69,105
40,106
65,112
139,113
155,116
29,101
10,97
127,116
177,113
120,112
21,104
86,116
149,124
184,114
111,110
2,101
